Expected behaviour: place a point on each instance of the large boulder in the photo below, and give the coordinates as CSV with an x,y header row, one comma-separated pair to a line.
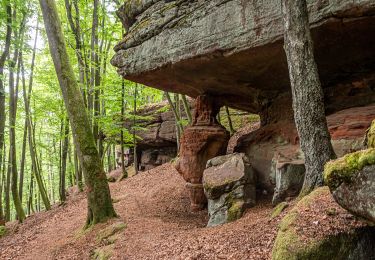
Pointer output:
x,y
229,184
317,228
233,49
352,182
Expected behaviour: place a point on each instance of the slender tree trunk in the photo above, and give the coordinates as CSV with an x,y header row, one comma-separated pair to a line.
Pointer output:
x,y
177,119
308,98
12,131
124,173
31,130
23,159
64,155
7,188
187,109
100,206
3,179
3,58
231,129
134,137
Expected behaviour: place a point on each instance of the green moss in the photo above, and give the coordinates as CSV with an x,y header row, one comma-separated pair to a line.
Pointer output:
x,y
110,231
278,209
289,245
103,253
3,231
236,210
371,136
345,168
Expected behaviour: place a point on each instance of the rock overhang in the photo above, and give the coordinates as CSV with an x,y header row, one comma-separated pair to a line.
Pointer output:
x,y
233,49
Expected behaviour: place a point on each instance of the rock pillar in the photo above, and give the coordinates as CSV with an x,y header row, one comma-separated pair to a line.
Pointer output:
x,y
201,141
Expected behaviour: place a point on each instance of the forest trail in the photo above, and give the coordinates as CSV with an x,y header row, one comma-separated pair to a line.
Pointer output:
x,y
155,207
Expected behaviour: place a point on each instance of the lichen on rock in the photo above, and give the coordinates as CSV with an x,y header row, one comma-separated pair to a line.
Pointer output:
x,y
347,167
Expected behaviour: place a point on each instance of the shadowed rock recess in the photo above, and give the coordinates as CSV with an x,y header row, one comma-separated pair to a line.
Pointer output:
x,y
234,51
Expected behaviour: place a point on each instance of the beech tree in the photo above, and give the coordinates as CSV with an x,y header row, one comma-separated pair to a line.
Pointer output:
x,y
307,93
100,206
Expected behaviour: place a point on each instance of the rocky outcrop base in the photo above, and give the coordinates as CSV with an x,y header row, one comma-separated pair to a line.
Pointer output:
x,y
229,184
352,182
326,233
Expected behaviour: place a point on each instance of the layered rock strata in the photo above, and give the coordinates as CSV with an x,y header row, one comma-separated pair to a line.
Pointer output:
x,y
201,141
233,49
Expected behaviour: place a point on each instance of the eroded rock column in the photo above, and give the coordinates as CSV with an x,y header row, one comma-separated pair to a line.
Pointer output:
x,y
201,141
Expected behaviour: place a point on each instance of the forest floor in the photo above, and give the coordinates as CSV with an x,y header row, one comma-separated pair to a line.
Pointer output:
x,y
154,205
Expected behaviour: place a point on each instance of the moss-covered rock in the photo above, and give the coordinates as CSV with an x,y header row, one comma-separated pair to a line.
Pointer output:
x,y
371,136
3,231
291,243
110,231
103,253
279,209
346,168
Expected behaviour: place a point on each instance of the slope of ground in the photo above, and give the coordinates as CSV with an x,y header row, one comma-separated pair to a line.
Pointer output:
x,y
155,207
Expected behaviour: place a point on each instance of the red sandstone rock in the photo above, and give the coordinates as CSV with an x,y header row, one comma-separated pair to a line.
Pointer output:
x,y
205,139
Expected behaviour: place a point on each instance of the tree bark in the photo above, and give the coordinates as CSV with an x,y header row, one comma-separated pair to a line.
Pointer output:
x,y
307,93
31,136
3,58
187,109
64,156
231,129
100,206
12,124
124,172
134,137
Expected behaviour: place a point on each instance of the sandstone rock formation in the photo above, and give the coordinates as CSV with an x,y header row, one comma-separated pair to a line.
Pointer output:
x,y
288,179
352,182
233,49
279,142
229,185
201,141
157,143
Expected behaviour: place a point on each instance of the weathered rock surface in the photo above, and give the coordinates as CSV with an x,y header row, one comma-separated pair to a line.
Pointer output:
x,y
229,185
279,142
289,177
157,143
316,228
352,182
201,141
233,49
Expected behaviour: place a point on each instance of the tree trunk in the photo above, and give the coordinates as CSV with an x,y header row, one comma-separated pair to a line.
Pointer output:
x,y
3,178
12,124
308,97
176,117
31,135
134,137
100,206
124,173
64,155
3,58
231,129
187,109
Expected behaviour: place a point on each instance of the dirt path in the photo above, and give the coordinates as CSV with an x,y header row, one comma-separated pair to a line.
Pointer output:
x,y
155,207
